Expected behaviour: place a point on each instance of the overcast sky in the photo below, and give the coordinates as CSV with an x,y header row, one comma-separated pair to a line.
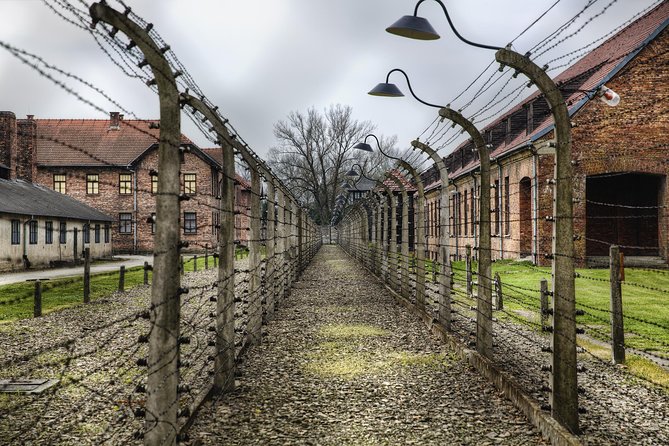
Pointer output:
x,y
258,60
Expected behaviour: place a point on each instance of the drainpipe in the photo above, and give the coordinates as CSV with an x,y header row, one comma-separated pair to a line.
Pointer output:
x,y
535,206
134,211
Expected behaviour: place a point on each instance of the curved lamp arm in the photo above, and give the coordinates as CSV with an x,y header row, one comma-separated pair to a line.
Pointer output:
x,y
388,89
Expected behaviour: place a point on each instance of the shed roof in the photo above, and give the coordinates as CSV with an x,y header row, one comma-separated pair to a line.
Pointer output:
x,y
23,198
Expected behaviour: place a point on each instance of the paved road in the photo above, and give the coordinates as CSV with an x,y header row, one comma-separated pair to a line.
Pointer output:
x,y
128,260
343,364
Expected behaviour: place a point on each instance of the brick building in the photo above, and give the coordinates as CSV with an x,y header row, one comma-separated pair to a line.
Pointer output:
x,y
619,155
112,165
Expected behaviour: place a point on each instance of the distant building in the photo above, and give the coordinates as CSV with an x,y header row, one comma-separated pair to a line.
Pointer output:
x,y
619,157
40,227
112,165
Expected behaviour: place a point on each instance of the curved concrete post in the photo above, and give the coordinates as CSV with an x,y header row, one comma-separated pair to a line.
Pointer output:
x,y
404,261
419,229
270,249
564,401
225,306
484,289
163,372
443,253
391,245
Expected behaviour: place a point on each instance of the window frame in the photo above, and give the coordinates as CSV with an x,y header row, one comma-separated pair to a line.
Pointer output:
x,y
15,232
124,222
59,185
33,237
125,183
190,185
190,224
48,232
86,233
62,232
154,183
92,184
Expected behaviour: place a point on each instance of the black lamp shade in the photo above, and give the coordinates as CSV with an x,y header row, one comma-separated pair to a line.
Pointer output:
x,y
363,146
385,89
352,173
414,28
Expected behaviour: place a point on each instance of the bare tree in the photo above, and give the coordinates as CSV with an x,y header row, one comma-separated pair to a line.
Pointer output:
x,y
315,150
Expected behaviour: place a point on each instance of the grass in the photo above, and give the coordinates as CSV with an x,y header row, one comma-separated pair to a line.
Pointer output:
x,y
16,300
345,353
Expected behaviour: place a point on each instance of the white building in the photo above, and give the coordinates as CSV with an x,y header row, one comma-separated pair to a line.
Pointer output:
x,y
40,227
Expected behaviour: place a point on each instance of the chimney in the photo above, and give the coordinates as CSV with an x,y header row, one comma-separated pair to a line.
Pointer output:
x,y
114,120
7,144
26,168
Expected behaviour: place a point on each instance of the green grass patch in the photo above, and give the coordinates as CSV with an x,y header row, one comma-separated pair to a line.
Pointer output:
x,y
352,331
16,300
345,354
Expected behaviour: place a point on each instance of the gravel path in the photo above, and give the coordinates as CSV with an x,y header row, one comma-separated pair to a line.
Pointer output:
x,y
343,364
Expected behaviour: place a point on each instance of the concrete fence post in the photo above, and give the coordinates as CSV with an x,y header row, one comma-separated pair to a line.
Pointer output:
x,y
146,273
498,292
121,279
545,305
617,327
163,373
87,275
37,304
468,269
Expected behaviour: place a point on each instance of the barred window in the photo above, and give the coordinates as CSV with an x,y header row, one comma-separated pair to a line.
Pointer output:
x,y
62,238
154,183
16,232
48,232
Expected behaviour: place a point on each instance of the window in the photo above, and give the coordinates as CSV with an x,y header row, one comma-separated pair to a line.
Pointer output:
x,y
48,232
107,231
97,233
153,222
189,183
92,183
32,227
87,233
125,223
190,223
16,232
62,237
59,182
507,207
125,183
154,183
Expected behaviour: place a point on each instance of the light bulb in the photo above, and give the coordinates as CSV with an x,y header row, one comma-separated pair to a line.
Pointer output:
x,y
608,96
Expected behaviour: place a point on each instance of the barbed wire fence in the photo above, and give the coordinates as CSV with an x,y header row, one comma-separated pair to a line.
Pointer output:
x,y
373,231
143,373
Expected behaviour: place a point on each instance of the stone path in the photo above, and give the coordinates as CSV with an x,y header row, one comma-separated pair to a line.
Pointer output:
x,y
342,364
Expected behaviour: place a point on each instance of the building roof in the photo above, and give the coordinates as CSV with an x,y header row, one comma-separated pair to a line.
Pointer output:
x,y
591,71
23,198
216,154
92,142
392,185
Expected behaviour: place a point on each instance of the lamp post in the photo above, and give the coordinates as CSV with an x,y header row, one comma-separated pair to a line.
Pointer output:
x,y
419,239
484,294
564,400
